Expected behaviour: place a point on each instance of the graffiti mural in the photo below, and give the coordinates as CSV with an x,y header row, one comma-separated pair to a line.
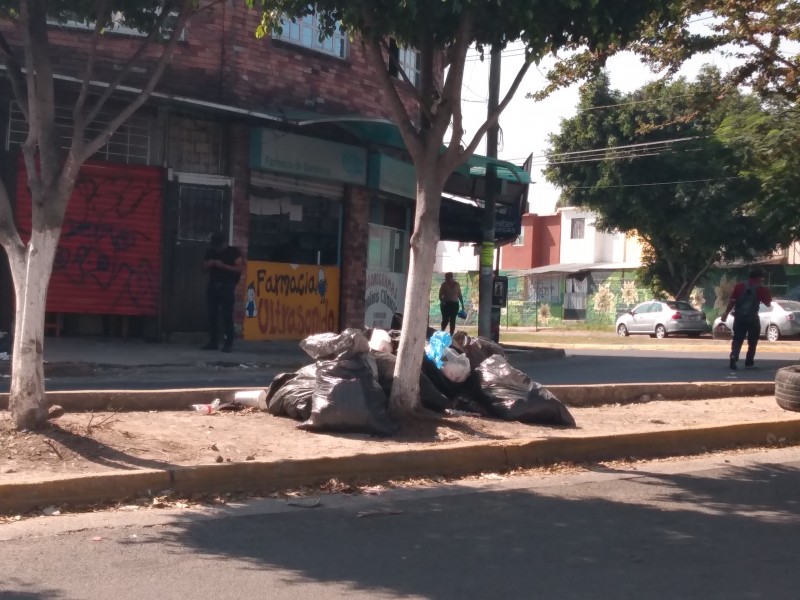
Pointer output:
x,y
109,256
290,302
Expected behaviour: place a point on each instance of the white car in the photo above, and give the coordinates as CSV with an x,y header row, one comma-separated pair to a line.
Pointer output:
x,y
781,319
660,318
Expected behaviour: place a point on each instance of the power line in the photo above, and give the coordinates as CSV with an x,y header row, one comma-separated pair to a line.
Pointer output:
x,y
633,102
666,142
630,185
620,157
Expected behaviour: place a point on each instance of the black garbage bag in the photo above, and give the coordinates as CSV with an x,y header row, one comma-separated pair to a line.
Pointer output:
x,y
336,346
348,399
466,403
509,394
430,397
479,349
289,394
437,377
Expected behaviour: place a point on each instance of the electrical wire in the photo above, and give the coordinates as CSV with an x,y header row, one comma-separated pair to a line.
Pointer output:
x,y
631,185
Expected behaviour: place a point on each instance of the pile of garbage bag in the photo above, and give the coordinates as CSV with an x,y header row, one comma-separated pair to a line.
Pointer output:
x,y
348,388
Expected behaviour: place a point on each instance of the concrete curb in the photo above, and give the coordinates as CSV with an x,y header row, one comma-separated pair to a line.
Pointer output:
x,y
457,460
572,395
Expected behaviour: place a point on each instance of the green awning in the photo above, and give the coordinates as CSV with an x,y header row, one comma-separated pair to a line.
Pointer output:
x,y
384,133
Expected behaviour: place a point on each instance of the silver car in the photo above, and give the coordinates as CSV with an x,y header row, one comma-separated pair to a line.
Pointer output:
x,y
660,318
782,319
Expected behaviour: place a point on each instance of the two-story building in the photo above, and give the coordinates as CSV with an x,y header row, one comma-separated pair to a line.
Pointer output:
x,y
282,143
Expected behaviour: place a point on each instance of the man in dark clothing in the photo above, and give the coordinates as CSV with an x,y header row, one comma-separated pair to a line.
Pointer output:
x,y
224,264
745,301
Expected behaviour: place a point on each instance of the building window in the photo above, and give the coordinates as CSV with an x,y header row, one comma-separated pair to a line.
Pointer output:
x,y
118,25
304,31
577,229
407,59
520,241
386,250
130,144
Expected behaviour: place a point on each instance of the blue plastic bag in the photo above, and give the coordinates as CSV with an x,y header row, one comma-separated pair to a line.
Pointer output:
x,y
462,314
436,346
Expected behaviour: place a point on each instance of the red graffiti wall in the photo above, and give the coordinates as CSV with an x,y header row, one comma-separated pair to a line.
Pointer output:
x,y
109,257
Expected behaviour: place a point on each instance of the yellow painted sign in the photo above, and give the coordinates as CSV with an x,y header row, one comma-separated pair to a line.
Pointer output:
x,y
290,302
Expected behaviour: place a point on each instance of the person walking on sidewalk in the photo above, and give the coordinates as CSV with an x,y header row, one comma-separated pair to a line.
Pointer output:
x,y
224,265
745,300
450,299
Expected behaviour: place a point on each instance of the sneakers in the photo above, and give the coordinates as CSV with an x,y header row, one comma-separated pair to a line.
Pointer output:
x,y
750,365
732,364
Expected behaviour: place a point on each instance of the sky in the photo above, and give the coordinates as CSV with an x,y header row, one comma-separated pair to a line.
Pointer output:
x,y
526,124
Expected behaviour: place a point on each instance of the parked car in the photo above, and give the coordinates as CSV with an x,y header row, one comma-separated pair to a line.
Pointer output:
x,y
662,318
782,319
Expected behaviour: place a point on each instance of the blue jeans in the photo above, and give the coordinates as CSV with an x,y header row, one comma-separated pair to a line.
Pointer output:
x,y
745,327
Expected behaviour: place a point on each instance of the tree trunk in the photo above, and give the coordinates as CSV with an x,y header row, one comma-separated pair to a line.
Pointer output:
x,y
404,400
31,275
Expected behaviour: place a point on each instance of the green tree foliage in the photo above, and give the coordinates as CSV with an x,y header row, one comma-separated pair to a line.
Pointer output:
x,y
442,31
761,36
659,170
767,146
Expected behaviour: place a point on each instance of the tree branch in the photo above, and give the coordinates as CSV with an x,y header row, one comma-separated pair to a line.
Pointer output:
x,y
372,49
495,116
14,73
129,64
9,236
99,19
81,152
450,106
752,38
410,84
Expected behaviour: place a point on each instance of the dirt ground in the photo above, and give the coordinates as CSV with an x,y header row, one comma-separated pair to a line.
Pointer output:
x,y
95,442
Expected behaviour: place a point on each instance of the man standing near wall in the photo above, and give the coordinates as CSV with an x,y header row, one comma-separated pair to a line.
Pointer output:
x,y
224,265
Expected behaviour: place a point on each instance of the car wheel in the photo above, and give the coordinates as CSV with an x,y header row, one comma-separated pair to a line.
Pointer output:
x,y
773,333
787,388
661,332
622,331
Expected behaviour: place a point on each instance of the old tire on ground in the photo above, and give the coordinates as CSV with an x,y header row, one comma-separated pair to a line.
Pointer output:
x,y
787,388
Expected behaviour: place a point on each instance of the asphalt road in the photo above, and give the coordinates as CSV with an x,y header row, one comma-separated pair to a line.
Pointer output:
x,y
579,367
726,527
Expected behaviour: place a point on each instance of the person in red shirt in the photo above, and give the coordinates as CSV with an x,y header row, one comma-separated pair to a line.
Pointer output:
x,y
745,301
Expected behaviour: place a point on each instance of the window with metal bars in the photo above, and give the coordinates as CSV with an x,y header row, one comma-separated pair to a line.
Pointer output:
x,y
130,144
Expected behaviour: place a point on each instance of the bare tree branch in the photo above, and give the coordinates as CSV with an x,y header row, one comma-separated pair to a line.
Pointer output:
x,y
129,64
14,73
410,136
450,106
81,153
99,19
495,116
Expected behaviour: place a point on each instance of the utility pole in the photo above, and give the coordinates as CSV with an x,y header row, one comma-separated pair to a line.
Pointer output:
x,y
490,191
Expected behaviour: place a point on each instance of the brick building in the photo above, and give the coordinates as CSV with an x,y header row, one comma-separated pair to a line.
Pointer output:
x,y
284,143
